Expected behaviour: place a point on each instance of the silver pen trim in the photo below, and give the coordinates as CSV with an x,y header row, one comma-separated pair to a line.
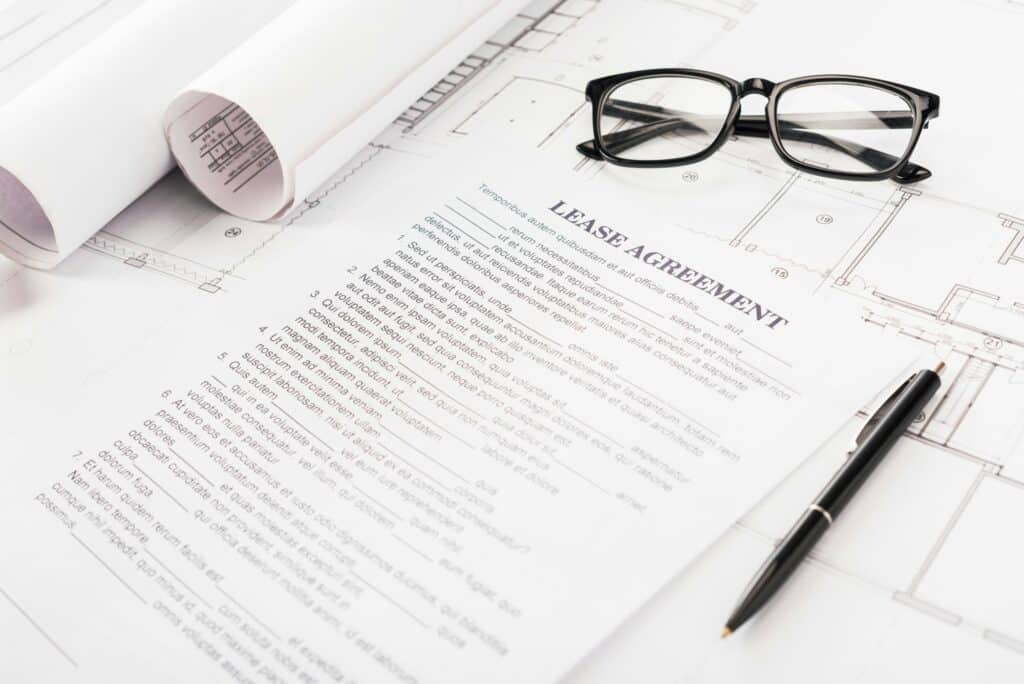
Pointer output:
x,y
816,507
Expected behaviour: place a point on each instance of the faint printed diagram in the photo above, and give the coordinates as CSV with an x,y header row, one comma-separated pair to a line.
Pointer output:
x,y
949,262
174,232
141,256
205,249
974,310
969,575
203,272
516,104
978,388
967,268
950,275
895,204
726,11
532,30
541,24
801,222
1015,247
764,210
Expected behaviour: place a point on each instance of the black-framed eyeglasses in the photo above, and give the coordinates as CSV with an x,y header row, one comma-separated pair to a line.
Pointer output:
x,y
848,127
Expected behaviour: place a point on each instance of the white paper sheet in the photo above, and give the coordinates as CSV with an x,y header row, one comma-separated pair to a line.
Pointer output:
x,y
84,142
36,35
465,457
270,123
171,254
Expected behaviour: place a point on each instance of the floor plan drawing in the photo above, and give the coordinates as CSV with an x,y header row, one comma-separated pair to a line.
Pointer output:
x,y
526,93
206,249
533,30
961,298
1015,247
720,10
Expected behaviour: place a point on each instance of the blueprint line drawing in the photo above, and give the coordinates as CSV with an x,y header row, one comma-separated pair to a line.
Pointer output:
x,y
535,90
1015,247
728,22
756,218
900,198
853,243
532,30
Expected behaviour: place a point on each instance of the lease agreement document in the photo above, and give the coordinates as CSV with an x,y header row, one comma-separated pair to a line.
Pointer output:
x,y
459,440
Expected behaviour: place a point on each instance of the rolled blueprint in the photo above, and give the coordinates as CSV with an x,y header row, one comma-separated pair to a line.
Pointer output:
x,y
261,99
85,141
274,119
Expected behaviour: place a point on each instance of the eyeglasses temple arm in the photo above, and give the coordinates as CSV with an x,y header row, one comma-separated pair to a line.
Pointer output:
x,y
757,126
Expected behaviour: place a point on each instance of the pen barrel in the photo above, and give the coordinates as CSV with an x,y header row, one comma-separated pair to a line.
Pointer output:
x,y
869,453
773,574
891,422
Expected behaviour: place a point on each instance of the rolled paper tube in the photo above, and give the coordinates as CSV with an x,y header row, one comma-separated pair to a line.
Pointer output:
x,y
85,141
270,123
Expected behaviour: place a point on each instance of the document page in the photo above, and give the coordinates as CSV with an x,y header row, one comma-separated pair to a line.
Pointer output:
x,y
462,439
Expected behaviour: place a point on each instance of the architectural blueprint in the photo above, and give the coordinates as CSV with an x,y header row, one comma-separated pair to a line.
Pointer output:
x,y
924,566
924,570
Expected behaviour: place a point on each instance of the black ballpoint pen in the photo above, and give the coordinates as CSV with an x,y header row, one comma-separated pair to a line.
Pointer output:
x,y
873,442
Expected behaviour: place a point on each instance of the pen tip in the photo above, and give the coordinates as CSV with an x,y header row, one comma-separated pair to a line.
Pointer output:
x,y
938,368
726,632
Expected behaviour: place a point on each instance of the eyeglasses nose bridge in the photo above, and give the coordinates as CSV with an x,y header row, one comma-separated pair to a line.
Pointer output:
x,y
760,86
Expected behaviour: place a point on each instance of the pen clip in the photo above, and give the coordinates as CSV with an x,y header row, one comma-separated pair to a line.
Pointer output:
x,y
879,413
